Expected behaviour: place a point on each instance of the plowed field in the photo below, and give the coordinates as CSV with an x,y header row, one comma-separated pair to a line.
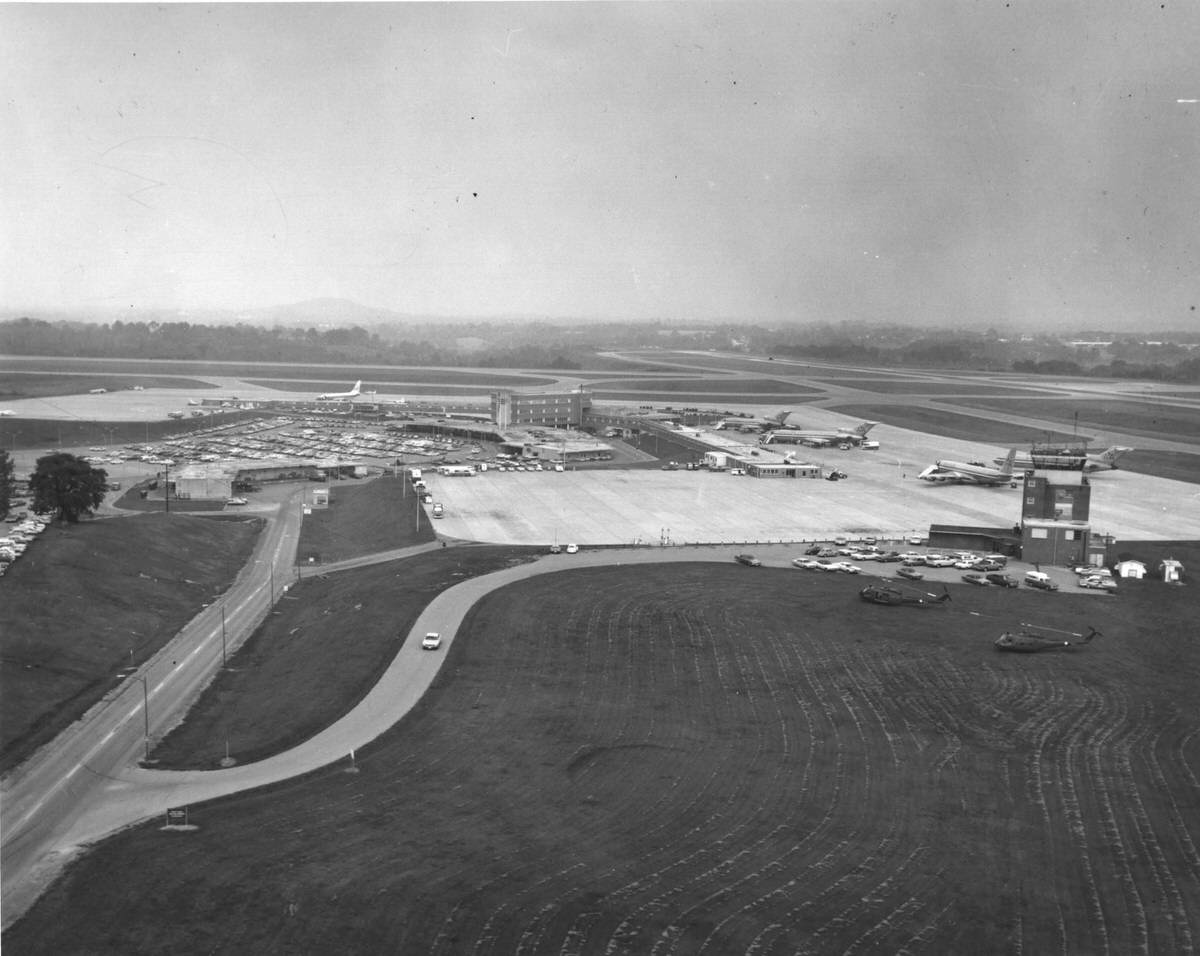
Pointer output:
x,y
650,761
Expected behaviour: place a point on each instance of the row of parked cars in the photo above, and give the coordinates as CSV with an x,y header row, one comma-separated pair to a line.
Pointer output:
x,y
17,539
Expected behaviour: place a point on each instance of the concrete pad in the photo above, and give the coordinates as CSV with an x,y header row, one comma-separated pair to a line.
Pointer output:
x,y
881,497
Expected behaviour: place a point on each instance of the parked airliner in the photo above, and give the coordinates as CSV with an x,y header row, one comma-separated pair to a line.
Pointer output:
x,y
838,436
336,396
1106,459
971,472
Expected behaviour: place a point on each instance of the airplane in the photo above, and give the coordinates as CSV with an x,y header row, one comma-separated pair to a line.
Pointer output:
x,y
1106,459
335,396
971,472
839,436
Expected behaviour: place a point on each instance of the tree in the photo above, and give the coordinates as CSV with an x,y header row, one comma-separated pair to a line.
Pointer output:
x,y
67,485
7,485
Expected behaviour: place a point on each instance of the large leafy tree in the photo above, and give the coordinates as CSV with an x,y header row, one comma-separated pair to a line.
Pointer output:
x,y
67,485
6,481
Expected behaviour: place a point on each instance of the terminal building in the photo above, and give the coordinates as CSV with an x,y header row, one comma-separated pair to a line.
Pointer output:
x,y
548,409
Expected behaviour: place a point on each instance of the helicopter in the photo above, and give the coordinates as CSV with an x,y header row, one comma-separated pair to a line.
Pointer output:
x,y
884,593
1025,642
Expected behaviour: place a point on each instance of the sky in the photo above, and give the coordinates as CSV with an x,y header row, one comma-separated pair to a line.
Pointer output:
x,y
989,164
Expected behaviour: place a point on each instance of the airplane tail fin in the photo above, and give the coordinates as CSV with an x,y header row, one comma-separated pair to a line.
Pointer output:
x,y
782,416
1007,467
357,387
864,428
1110,455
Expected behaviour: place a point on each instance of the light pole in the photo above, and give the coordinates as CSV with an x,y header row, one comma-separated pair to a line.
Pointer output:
x,y
222,633
145,711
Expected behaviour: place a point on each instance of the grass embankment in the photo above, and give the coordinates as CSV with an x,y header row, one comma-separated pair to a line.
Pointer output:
x,y
53,435
87,600
363,517
324,648
714,759
40,384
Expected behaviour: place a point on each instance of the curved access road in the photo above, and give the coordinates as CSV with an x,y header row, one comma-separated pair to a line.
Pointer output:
x,y
66,803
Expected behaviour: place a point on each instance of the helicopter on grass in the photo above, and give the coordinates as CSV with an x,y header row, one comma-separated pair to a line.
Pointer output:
x,y
891,594
1026,642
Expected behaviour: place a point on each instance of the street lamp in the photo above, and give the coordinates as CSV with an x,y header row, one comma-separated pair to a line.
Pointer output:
x,y
145,710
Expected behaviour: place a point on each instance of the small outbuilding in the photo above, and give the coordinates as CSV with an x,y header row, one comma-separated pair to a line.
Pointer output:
x,y
1130,569
1171,570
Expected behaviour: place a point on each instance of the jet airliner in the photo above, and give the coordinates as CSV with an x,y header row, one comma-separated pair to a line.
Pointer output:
x,y
336,396
972,473
1106,459
837,436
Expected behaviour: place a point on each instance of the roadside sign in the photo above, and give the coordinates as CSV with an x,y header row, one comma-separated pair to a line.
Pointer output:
x,y
177,816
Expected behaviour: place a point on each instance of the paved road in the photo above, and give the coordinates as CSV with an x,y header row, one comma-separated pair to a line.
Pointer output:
x,y
46,797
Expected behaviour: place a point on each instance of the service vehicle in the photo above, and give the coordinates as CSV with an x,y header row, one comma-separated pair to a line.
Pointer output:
x,y
572,549
1040,580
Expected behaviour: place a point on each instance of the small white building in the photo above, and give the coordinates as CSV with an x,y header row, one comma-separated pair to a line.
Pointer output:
x,y
1171,570
1130,569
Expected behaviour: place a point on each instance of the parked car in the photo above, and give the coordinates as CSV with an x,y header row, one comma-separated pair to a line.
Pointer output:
x,y
1004,580
986,566
807,564
912,574
555,549
236,501
974,577
1098,581
747,559
939,561
813,549
827,553
828,565
888,557
572,549
431,641
847,568
1040,580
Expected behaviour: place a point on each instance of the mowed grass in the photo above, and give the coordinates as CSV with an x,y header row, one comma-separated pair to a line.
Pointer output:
x,y
46,384
363,517
87,600
709,759
326,645
1152,419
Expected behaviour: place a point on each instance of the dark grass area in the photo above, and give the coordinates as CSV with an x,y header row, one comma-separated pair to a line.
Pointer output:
x,y
87,600
1152,419
363,517
783,396
612,758
939,421
52,435
413,379
738,386
131,500
909,386
318,655
46,384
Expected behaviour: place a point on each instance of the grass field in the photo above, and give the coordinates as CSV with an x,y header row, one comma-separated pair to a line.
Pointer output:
x,y
87,600
651,760
363,517
939,421
42,384
321,651
910,386
71,433
738,386
1153,420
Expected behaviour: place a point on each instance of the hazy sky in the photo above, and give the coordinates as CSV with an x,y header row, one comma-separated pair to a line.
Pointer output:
x,y
988,163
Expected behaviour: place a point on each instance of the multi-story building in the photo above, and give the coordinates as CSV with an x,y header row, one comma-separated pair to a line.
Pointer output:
x,y
549,409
